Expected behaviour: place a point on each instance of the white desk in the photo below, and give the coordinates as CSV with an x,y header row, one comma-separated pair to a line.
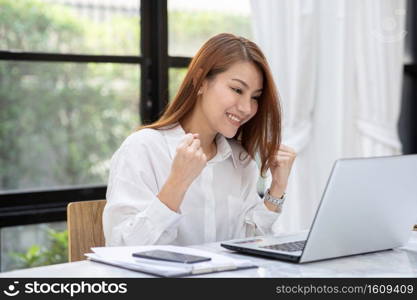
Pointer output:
x,y
401,262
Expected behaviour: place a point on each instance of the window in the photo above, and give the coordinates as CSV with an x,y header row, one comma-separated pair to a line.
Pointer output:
x,y
70,87
191,23
176,76
33,245
61,122
78,26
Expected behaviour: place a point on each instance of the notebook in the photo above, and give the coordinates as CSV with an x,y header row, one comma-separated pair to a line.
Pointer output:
x,y
122,257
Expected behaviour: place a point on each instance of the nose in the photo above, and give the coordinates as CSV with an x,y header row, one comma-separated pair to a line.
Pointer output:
x,y
244,106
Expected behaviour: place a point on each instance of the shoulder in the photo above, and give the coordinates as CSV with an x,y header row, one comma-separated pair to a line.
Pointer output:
x,y
142,143
146,136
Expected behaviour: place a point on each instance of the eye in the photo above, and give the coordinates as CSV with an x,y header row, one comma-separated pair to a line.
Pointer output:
x,y
238,90
256,98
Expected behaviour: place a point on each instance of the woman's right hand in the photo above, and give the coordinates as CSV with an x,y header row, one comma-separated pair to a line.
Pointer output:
x,y
189,161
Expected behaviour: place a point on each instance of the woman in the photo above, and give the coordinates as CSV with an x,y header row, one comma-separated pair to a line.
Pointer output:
x,y
190,177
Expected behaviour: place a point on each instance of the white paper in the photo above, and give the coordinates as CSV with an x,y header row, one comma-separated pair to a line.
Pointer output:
x,y
122,257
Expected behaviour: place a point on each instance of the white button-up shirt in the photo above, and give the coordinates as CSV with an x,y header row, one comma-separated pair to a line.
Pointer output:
x,y
222,203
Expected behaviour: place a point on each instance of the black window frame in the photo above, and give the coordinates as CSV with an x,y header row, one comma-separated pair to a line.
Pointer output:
x,y
408,116
49,205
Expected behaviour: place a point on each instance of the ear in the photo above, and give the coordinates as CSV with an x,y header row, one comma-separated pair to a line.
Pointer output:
x,y
203,87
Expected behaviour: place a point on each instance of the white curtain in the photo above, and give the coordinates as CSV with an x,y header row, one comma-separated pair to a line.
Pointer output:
x,y
338,67
379,57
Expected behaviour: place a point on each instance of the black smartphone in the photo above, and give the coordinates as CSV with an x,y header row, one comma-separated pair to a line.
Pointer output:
x,y
171,256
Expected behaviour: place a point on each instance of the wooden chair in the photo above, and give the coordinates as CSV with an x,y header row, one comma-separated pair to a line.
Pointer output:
x,y
85,227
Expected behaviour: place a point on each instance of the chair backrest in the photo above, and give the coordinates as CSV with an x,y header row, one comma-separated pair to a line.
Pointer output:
x,y
85,227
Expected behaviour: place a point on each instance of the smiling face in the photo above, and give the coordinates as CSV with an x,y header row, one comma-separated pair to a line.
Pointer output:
x,y
230,99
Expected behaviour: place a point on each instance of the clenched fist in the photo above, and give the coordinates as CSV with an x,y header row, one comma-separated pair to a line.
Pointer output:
x,y
189,159
188,163
280,169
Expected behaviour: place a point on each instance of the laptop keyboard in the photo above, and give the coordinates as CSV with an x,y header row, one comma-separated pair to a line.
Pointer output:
x,y
288,247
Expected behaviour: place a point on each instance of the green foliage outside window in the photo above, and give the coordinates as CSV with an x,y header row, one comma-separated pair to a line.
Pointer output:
x,y
38,255
60,122
188,30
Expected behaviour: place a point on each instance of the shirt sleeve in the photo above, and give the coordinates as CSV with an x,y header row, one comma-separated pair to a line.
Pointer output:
x,y
134,215
258,219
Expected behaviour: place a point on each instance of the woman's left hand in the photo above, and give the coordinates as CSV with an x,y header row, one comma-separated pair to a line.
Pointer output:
x,y
280,169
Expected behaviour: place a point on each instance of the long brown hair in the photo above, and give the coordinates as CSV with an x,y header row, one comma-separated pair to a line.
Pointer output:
x,y
260,134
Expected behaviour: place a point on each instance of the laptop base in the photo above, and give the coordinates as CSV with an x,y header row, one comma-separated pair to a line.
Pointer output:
x,y
280,256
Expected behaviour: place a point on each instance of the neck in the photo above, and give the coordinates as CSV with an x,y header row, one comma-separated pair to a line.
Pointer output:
x,y
197,123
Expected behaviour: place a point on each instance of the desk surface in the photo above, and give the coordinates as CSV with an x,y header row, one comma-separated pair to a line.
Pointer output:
x,y
400,262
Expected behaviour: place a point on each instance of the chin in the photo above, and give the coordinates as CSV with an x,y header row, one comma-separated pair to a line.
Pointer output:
x,y
228,132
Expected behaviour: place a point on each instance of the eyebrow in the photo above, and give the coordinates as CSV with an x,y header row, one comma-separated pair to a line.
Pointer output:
x,y
245,84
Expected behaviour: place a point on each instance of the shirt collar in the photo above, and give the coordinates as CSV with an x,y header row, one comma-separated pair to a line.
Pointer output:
x,y
174,135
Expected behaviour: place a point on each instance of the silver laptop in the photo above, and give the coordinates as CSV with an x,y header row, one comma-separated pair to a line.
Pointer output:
x,y
369,204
